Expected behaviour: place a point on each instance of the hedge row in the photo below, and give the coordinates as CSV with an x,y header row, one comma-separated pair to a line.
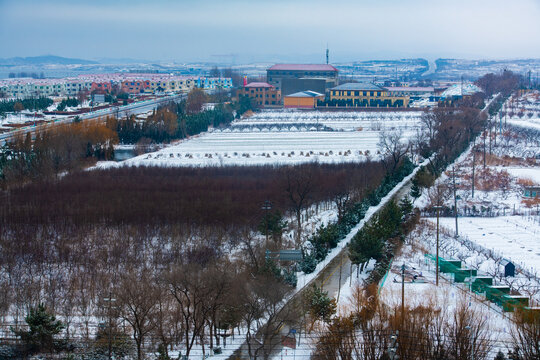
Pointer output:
x,y
328,237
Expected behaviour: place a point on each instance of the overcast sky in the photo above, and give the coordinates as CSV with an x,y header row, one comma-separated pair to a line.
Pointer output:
x,y
271,30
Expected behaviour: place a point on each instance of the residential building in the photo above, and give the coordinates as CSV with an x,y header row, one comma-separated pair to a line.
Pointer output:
x,y
132,83
262,93
366,95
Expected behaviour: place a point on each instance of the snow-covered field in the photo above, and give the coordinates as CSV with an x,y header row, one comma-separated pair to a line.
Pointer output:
x,y
523,111
531,173
514,237
285,137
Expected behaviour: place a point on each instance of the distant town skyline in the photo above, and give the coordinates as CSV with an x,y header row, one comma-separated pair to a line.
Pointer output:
x,y
240,31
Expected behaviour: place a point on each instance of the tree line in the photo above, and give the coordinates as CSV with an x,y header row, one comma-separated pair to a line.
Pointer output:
x,y
178,121
53,151
165,233
17,105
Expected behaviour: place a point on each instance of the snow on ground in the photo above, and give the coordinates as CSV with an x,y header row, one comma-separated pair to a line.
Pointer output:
x,y
341,121
531,173
514,237
523,111
461,89
355,139
19,118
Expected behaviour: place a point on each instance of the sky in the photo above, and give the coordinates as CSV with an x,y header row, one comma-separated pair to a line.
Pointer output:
x,y
270,30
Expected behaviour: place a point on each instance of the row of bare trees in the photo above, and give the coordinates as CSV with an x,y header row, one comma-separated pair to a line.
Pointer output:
x,y
53,151
371,329
159,242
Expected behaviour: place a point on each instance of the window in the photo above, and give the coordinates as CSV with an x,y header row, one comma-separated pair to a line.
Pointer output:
x,y
371,93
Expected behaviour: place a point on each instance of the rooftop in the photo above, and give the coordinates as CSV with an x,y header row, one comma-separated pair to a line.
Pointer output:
x,y
357,86
304,67
410,88
258,85
306,94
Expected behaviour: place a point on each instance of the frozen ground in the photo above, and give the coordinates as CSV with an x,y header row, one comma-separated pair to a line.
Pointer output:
x,y
530,173
290,139
523,111
514,237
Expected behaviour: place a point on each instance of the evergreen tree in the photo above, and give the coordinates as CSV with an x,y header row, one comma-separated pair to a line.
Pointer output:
x,y
308,263
319,304
42,327
274,224
415,191
406,205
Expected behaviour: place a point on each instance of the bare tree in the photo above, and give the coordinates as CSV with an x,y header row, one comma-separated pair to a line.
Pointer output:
x,y
264,315
468,333
526,335
429,120
137,298
299,184
392,148
199,292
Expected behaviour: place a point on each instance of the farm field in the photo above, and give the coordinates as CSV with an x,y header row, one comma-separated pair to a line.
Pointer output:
x,y
284,137
514,237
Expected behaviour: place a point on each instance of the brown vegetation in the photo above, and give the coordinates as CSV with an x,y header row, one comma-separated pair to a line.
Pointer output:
x,y
162,232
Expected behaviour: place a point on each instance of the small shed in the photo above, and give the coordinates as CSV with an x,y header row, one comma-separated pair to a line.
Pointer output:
x,y
449,265
509,268
479,283
511,302
531,192
461,274
303,99
494,293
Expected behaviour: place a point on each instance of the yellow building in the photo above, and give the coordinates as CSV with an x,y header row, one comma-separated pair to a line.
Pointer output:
x,y
365,95
302,100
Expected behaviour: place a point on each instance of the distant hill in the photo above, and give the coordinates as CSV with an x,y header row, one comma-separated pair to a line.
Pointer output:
x,y
46,59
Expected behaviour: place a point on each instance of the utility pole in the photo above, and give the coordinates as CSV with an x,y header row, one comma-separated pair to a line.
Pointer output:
x,y
473,166
455,198
490,134
485,148
438,207
402,295
340,266
109,300
266,206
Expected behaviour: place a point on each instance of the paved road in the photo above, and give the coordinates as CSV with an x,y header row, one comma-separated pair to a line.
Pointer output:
x,y
432,67
134,108
331,277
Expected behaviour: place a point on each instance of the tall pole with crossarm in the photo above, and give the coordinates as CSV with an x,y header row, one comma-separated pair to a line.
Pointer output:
x,y
266,206
438,208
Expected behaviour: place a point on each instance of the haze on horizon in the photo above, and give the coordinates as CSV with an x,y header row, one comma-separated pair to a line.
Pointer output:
x,y
270,30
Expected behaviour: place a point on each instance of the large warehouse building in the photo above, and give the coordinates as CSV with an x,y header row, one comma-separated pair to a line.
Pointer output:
x,y
292,78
